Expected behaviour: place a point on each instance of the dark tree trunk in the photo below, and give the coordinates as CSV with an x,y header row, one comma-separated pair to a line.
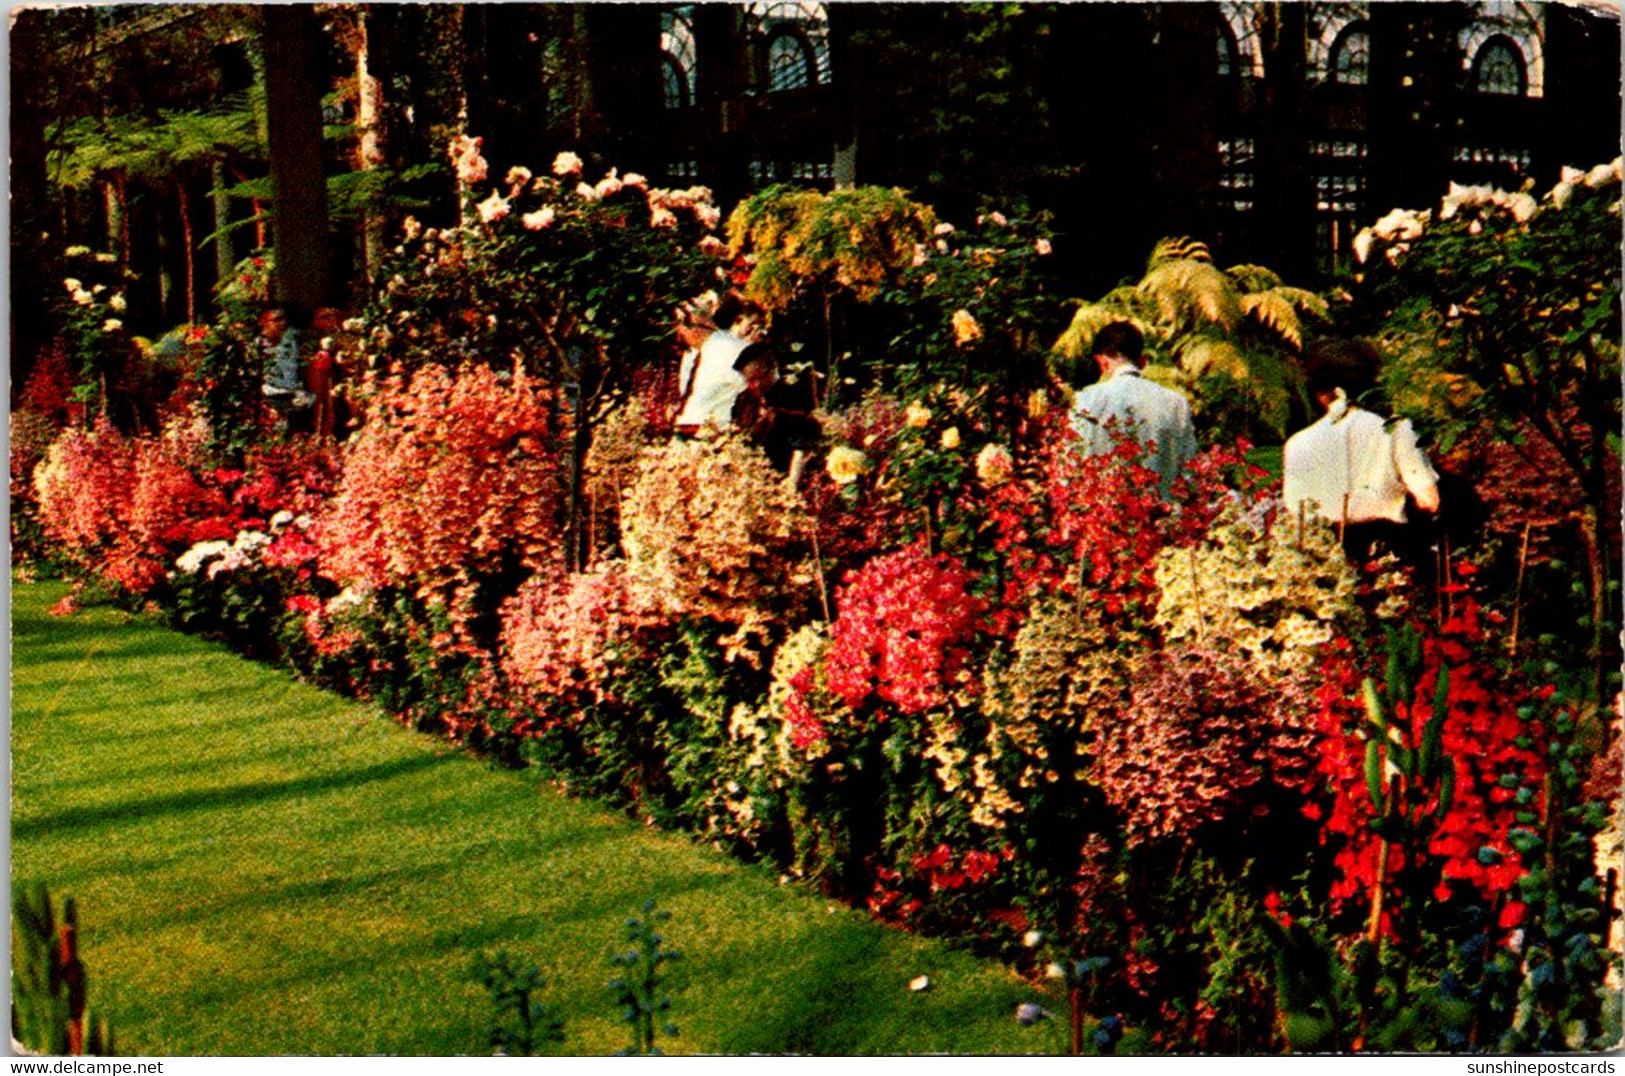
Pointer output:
x,y
293,89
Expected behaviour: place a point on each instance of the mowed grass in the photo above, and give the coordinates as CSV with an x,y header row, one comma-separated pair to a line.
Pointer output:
x,y
263,868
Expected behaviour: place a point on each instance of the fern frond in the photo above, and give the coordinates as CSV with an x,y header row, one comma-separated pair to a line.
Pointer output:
x,y
1178,248
1089,319
1205,356
1249,278
1190,289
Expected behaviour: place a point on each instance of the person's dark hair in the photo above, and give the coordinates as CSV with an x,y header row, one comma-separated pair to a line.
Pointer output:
x,y
1121,339
727,311
757,353
1340,363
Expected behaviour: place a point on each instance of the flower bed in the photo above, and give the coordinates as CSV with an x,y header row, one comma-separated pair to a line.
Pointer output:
x,y
1180,752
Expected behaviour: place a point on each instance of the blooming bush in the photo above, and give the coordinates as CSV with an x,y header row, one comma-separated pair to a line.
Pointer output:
x,y
711,530
451,481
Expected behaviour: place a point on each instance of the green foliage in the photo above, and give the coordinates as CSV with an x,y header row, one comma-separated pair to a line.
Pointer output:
x,y
1229,338
520,1023
858,239
48,988
638,989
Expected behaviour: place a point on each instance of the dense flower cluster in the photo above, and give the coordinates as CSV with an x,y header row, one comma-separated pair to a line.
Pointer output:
x,y
1202,732
452,475
711,530
1275,590
1492,749
907,622
565,636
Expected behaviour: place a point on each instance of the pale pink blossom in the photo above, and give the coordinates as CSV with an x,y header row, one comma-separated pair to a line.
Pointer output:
x,y
566,164
493,208
633,179
710,216
586,192
998,218
540,219
1042,246
466,160
943,229
661,217
609,185
516,179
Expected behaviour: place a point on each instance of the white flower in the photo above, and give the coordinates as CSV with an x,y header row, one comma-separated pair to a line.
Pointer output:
x,y
411,228
566,164
1042,246
540,219
711,246
917,415
943,229
77,250
191,560
997,218
1561,193
73,285
633,179
97,289
1033,938
1600,176
710,216
281,520
493,208
466,160
516,178
117,303
1399,224
1363,241
609,186
950,438
920,255
661,217
586,192
112,325
251,541
919,982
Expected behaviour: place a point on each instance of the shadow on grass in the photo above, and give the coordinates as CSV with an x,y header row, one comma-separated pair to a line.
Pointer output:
x,y
207,799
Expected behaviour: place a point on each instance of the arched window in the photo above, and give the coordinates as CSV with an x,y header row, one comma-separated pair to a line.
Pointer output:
x,y
677,56
794,38
1499,68
1350,61
790,61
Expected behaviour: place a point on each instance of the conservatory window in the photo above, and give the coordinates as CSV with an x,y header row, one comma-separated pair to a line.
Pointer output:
x,y
1499,68
1351,56
677,56
796,36
1236,174
1339,176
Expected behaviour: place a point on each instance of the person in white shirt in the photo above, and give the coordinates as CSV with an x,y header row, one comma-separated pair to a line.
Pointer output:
x,y
1123,403
707,380
1353,467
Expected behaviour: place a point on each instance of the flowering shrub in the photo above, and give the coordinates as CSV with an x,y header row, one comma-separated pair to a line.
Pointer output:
x,y
567,638
711,530
84,486
1201,733
451,480
903,635
1275,590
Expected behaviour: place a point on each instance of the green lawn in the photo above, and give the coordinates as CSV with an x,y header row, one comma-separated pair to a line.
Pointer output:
x,y
262,868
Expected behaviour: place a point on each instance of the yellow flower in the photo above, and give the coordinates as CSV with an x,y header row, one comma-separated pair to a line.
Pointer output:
x,y
846,465
917,415
965,328
950,438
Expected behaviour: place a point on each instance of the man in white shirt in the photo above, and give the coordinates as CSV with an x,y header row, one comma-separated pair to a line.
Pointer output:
x,y
707,379
1353,467
1123,403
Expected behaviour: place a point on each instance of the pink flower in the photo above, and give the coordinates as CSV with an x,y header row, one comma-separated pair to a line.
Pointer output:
x,y
1042,246
661,217
586,192
466,160
711,246
566,164
609,185
493,208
